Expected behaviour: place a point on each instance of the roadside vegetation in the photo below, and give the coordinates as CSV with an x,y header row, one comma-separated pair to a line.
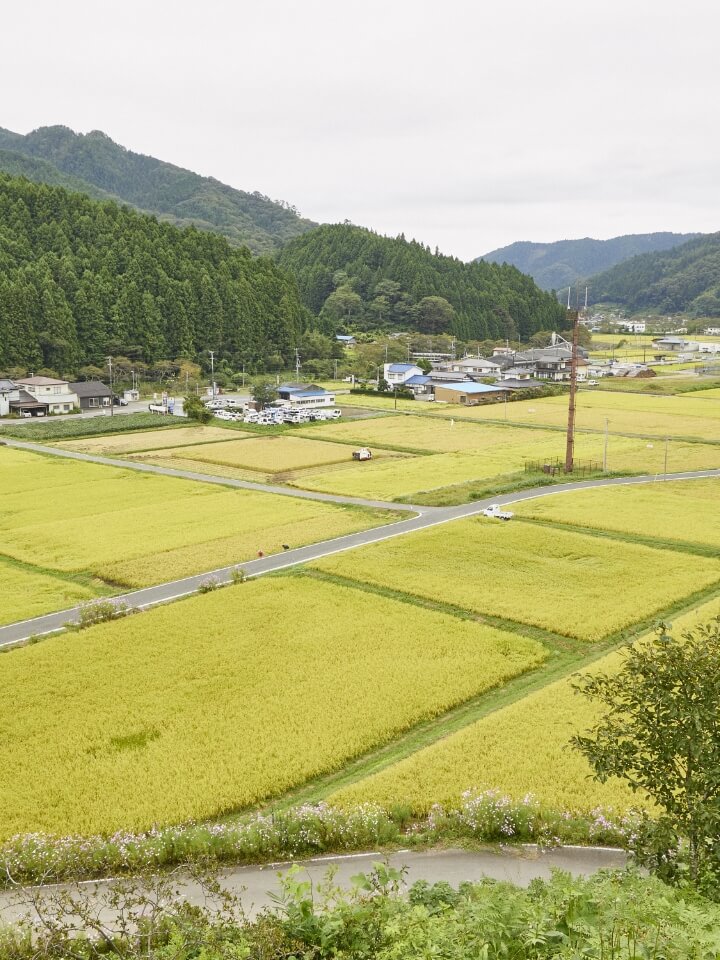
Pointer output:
x,y
612,916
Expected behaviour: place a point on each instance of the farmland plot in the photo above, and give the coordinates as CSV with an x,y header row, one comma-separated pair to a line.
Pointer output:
x,y
520,749
560,581
272,454
505,455
120,444
676,416
685,511
27,593
136,529
228,698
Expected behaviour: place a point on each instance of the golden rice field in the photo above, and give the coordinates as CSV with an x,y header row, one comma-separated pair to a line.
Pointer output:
x,y
393,479
570,583
27,593
227,698
136,529
433,435
519,749
684,415
271,454
685,511
119,444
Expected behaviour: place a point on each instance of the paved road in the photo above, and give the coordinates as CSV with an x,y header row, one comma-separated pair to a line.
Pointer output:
x,y
210,478
254,885
424,518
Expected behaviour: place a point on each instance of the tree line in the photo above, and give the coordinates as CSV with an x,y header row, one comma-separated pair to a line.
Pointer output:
x,y
685,279
353,278
81,279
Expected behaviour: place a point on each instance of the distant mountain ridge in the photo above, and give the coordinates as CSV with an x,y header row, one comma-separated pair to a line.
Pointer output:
x,y
685,279
563,262
94,164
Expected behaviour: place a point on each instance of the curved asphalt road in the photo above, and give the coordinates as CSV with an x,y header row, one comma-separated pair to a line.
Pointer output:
x,y
254,885
424,517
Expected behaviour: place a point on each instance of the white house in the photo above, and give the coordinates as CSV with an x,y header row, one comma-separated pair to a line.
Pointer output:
x,y
474,367
632,326
36,393
712,331
396,374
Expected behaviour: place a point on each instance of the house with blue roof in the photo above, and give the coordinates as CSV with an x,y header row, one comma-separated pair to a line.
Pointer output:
x,y
397,374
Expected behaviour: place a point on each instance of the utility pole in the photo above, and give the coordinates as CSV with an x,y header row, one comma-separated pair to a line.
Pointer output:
x,y
297,364
667,441
112,392
605,452
570,442
335,377
212,370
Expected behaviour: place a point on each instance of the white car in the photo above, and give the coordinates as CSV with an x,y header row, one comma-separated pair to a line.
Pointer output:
x,y
217,404
496,511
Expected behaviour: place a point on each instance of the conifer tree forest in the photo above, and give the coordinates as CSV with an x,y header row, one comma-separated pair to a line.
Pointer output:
x,y
81,279
350,275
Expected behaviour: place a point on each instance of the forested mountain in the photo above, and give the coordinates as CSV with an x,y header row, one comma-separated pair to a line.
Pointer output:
x,y
683,280
80,279
560,264
349,275
100,167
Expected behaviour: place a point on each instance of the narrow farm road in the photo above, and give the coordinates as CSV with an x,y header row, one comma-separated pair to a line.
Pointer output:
x,y
255,885
210,478
424,518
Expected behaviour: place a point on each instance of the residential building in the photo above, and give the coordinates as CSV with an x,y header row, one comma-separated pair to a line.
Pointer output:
x,y
712,331
92,394
421,385
631,326
55,395
473,367
345,339
396,374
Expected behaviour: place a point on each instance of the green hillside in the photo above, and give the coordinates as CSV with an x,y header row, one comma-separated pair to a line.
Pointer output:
x,y
98,166
349,275
560,264
80,279
683,280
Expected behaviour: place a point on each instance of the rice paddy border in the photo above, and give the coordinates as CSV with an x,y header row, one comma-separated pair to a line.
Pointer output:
x,y
432,731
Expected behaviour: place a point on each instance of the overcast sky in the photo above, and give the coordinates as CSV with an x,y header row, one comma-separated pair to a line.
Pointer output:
x,y
463,123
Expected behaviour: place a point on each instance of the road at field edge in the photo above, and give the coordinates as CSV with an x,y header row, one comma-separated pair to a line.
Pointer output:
x,y
423,518
255,885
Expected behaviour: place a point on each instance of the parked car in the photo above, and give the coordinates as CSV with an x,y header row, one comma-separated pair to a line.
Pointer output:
x,y
119,401
219,403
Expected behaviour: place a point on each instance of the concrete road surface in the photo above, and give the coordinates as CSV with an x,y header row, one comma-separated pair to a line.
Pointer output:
x,y
255,885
